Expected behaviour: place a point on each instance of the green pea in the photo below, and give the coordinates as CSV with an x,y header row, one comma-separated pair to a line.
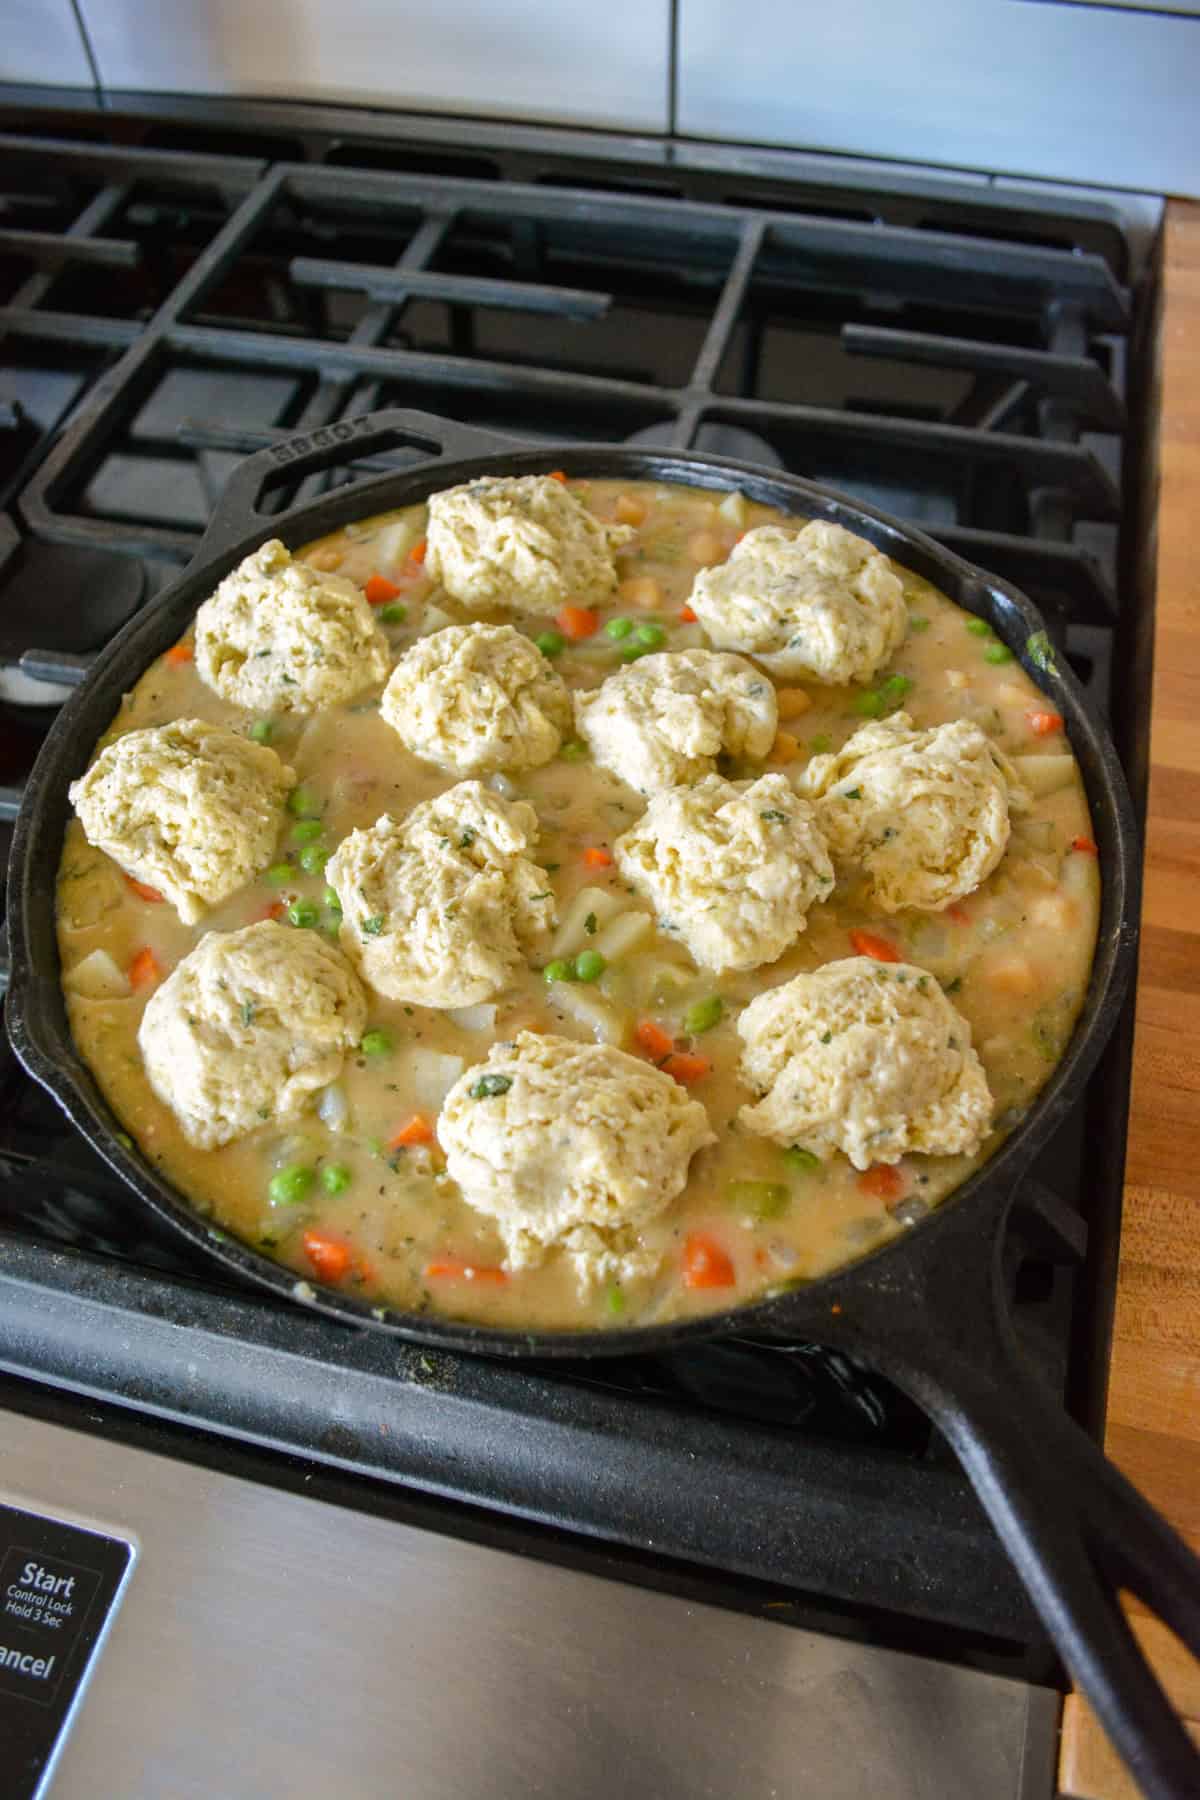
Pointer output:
x,y
631,652
313,858
614,1301
280,872
651,635
979,628
291,1185
870,705
303,912
918,622
376,1043
820,745
490,1087
997,653
703,1015
573,751
306,831
895,688
589,965
262,730
558,970
335,1178
394,613
303,803
761,1199
331,899
550,643
618,628
800,1158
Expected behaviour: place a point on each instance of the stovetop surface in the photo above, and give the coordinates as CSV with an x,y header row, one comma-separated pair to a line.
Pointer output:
x,y
959,354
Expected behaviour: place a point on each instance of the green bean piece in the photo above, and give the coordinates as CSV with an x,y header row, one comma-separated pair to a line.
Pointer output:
x,y
761,1199
589,965
290,1185
703,1015
335,1178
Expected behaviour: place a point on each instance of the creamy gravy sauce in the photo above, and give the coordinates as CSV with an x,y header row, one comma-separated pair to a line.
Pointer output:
x,y
1015,957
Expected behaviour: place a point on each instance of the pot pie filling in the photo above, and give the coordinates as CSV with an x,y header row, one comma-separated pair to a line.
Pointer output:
x,y
724,911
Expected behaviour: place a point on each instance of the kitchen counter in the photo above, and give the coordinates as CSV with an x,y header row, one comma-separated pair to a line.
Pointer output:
x,y
1153,1428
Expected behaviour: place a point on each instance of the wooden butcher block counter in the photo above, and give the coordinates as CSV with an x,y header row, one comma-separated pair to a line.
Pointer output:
x,y
1154,1394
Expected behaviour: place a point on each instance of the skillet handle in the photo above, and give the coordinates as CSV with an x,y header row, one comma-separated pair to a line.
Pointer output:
x,y
348,440
1077,1531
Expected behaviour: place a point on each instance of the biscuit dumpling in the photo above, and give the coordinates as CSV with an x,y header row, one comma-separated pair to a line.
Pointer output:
x,y
279,637
569,1145
476,698
247,1028
864,1057
524,542
665,719
818,604
733,867
189,808
440,908
924,814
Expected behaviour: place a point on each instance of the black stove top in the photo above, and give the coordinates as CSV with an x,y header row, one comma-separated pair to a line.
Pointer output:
x,y
960,353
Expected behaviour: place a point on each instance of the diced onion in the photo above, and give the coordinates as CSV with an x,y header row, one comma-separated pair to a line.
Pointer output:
x,y
733,509
394,543
472,1018
572,935
622,934
333,1109
434,618
500,784
97,977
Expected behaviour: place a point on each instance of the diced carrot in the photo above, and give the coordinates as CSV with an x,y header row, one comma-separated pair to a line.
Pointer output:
x,y
652,1038
884,1181
792,702
558,475
1087,845
418,551
687,616
629,510
416,1130
958,915
180,653
329,1257
577,622
705,1264
687,1066
785,749
597,857
144,891
364,1271
276,910
865,943
379,590
453,1268
1043,723
144,968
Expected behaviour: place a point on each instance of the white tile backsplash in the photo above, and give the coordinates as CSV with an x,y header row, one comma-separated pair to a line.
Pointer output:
x,y
581,64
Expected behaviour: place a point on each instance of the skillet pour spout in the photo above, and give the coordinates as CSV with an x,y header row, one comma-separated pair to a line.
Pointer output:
x,y
929,1308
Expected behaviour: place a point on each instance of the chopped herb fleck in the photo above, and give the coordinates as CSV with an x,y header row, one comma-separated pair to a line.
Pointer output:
x,y
1040,652
851,794
775,817
488,1086
372,927
827,1037
247,1012
589,924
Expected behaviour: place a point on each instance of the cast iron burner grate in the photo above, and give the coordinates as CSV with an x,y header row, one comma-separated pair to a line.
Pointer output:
x,y
958,351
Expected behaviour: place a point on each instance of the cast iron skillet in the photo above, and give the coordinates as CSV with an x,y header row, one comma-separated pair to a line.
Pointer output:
x,y
929,1309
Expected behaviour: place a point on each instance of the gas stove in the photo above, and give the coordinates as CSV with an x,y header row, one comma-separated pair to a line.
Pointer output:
x,y
964,352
